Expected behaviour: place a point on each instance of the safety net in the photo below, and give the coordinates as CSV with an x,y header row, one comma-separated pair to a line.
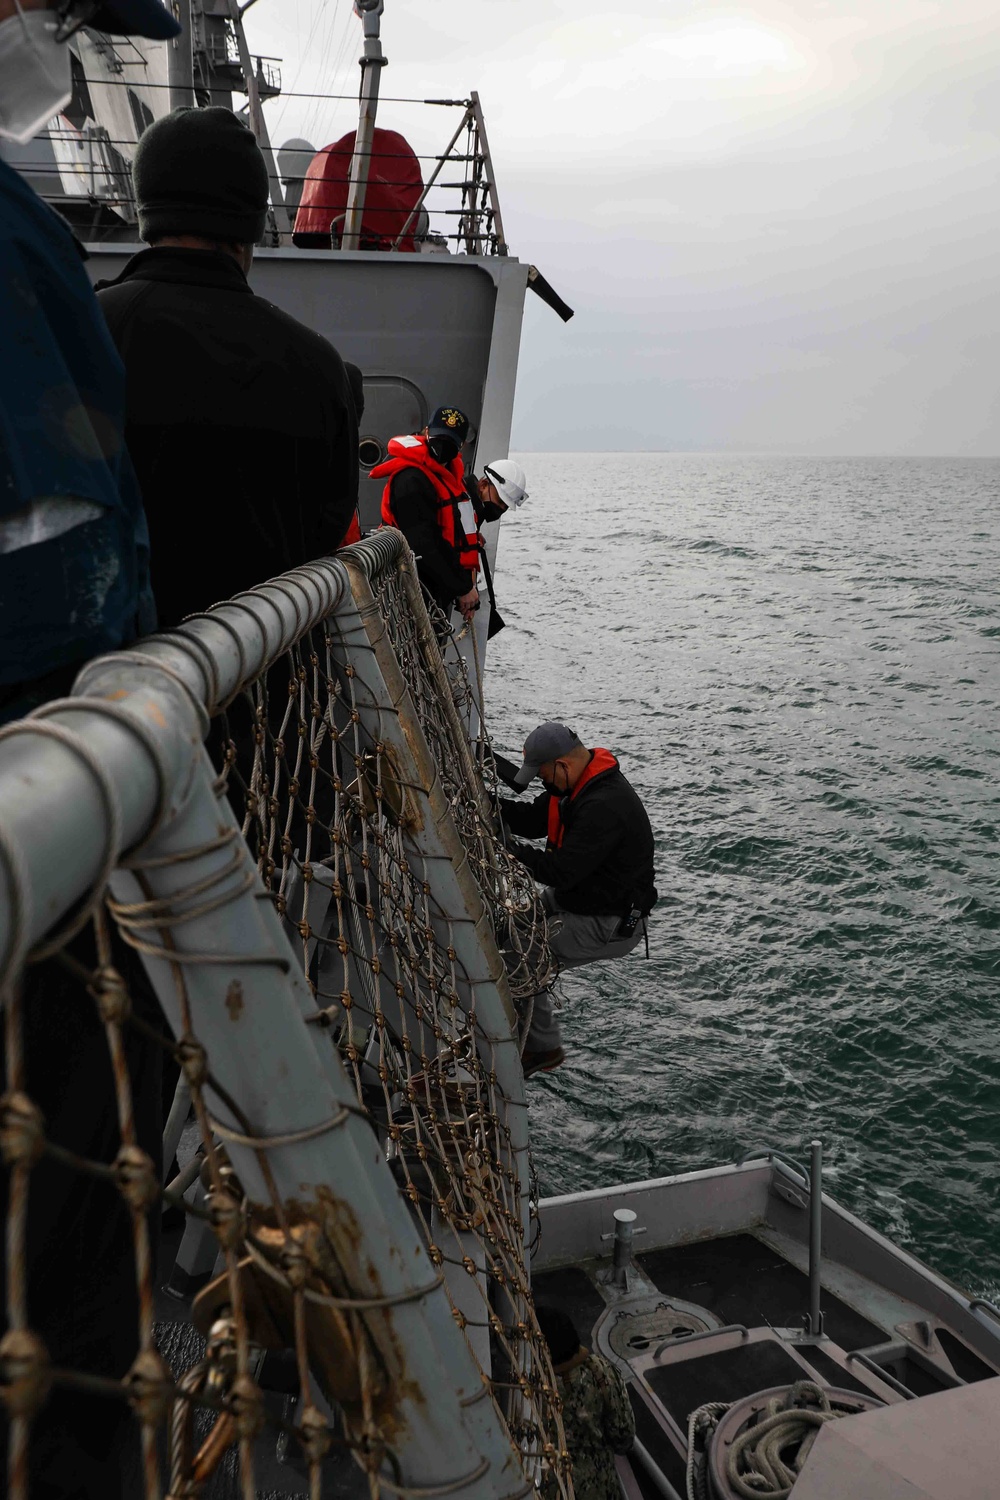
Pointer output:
x,y
336,840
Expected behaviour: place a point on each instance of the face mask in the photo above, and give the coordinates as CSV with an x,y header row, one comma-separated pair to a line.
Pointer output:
x,y
552,788
35,76
442,448
490,511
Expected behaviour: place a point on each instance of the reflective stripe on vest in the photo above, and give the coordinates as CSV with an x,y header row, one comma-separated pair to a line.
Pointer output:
x,y
456,515
601,760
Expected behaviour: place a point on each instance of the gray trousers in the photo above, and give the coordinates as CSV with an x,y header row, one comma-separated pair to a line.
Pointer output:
x,y
574,940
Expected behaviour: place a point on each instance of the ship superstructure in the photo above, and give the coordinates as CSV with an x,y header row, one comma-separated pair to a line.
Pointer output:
x,y
440,323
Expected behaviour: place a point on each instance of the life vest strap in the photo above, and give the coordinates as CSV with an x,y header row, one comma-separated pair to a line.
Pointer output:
x,y
601,760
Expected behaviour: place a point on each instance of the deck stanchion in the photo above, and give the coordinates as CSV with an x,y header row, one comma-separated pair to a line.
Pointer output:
x,y
815,1324
624,1220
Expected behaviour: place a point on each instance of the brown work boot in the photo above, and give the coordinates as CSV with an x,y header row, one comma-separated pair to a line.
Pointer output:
x,y
542,1062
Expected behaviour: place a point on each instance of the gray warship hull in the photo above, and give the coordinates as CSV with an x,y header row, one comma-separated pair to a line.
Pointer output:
x,y
425,330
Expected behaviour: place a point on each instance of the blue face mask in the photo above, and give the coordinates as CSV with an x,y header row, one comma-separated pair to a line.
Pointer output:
x,y
35,77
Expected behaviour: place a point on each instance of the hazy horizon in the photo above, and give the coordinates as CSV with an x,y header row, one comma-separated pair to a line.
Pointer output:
x,y
776,452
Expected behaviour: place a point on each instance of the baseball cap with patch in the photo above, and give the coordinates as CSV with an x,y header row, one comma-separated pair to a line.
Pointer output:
x,y
547,742
128,18
448,421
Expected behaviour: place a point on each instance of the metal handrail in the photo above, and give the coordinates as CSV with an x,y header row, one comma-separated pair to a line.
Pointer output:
x,y
768,1153
652,1470
695,1338
811,1178
987,1306
882,1374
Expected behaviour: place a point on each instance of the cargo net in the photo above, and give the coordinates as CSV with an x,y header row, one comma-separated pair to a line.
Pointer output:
x,y
97,1379
447,693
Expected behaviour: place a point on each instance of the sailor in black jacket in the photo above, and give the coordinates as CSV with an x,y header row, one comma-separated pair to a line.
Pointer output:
x,y
240,420
597,864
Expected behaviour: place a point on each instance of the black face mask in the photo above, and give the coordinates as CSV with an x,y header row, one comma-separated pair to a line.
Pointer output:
x,y
490,511
552,789
442,448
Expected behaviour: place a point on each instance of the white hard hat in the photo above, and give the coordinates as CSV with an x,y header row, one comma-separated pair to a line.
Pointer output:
x,y
510,481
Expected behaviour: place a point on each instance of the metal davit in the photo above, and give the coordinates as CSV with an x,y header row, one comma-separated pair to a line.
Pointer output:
x,y
277,809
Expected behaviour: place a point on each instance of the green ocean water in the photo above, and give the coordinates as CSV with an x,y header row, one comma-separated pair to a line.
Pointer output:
x,y
798,664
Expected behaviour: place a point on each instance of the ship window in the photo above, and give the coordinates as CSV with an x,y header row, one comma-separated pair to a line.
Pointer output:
x,y
79,109
142,115
370,452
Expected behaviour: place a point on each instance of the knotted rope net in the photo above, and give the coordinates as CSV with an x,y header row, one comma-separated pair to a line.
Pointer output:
x,y
331,763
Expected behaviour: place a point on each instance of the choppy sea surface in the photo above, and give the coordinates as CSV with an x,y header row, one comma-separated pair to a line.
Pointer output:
x,y
798,664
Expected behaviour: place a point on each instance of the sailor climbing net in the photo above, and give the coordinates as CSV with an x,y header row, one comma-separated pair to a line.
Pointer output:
x,y
329,811
451,711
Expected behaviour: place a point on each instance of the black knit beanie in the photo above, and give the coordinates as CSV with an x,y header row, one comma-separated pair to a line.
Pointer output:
x,y
200,171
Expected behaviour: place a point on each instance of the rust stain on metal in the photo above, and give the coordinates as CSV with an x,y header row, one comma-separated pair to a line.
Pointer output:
x,y
234,1000
345,1234
326,1238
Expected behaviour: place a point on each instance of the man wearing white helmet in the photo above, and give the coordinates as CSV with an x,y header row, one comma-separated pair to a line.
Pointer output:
x,y
503,487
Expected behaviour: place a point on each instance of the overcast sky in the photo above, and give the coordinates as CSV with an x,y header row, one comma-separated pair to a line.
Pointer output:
x,y
778,221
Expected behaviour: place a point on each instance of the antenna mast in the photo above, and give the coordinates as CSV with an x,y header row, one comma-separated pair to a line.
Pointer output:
x,y
257,122
180,60
372,62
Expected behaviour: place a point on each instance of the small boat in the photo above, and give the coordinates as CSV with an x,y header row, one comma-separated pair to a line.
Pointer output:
x,y
732,1288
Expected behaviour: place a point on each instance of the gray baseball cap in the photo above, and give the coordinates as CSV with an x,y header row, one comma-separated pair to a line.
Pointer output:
x,y
543,744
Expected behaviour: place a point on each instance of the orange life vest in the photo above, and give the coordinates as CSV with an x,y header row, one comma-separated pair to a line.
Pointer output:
x,y
353,532
601,760
456,516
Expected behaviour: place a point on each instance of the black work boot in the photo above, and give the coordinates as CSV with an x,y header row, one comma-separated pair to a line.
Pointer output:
x,y
542,1062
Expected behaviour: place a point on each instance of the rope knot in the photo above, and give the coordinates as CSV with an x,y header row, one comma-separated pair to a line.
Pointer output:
x,y
226,1218
193,1059
246,1402
136,1177
22,1130
220,1354
314,1434
295,1264
113,1003
150,1388
24,1372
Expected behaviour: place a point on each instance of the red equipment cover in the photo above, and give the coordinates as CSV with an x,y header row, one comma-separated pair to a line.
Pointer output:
x,y
394,186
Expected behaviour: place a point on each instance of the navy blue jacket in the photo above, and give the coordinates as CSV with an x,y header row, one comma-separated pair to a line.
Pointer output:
x,y
74,548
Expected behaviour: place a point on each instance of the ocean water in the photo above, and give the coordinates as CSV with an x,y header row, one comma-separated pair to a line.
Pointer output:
x,y
798,664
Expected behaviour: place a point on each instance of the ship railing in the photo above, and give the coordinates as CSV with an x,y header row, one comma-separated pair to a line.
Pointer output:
x,y
261,845
459,207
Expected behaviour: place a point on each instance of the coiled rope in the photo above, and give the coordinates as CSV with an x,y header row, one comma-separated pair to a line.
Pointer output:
x,y
768,1456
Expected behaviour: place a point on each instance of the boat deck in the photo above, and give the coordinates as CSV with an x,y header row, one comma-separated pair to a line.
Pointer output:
x,y
718,1315
722,1316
